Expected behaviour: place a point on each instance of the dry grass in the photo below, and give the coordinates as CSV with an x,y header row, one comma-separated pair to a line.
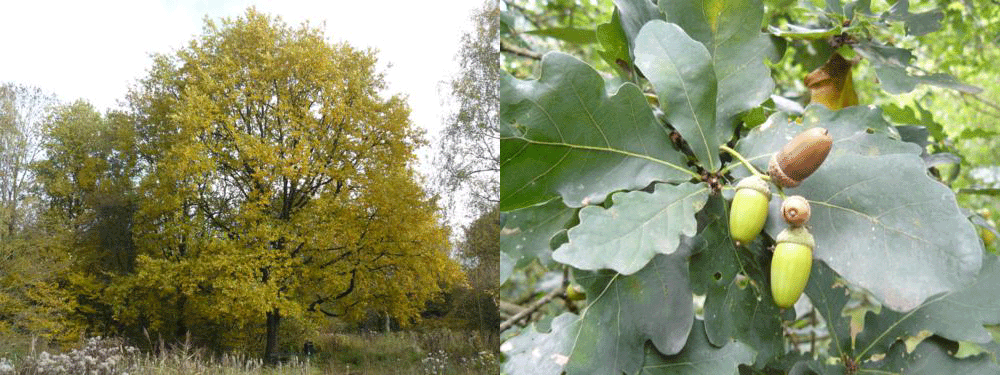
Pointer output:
x,y
404,353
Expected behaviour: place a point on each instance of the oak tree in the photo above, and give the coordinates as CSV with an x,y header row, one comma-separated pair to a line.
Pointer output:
x,y
279,185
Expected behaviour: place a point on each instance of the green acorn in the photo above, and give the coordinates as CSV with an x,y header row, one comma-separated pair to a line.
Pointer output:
x,y
790,265
749,209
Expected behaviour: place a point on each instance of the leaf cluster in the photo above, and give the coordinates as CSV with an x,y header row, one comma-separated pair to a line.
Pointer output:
x,y
624,187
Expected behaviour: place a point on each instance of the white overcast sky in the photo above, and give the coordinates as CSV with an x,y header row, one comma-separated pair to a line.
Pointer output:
x,y
95,50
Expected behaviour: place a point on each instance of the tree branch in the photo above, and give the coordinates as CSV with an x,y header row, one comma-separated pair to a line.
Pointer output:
x,y
532,308
523,52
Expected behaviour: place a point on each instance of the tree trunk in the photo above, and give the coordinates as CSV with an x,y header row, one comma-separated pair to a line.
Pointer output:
x,y
273,319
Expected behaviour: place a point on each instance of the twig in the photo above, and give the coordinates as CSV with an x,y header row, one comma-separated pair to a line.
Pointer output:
x,y
532,308
523,52
746,163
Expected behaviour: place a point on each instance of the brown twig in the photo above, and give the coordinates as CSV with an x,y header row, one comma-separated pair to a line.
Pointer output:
x,y
532,308
523,52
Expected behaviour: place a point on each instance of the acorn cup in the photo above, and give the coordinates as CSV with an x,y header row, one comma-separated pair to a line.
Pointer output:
x,y
800,157
749,209
790,265
795,209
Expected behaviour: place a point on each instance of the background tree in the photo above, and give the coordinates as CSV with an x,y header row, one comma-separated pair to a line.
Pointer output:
x,y
87,185
467,159
280,186
33,255
22,109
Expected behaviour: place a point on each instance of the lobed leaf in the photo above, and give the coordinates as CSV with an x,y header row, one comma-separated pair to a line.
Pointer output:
x,y
933,355
527,233
738,303
610,334
699,357
730,31
561,135
681,71
874,223
636,227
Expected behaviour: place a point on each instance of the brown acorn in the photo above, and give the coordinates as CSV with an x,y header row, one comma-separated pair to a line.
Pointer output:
x,y
800,157
796,210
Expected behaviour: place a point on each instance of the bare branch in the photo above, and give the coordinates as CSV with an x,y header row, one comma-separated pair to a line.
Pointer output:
x,y
532,308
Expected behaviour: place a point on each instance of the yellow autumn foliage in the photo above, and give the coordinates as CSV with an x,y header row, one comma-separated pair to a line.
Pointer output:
x,y
281,185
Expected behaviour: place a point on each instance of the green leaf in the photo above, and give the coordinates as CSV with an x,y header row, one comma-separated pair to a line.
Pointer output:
x,y
506,266
609,335
957,316
738,302
972,133
562,135
730,31
634,15
932,356
568,34
799,32
528,232
534,352
917,24
874,223
906,115
680,70
891,66
636,227
829,296
699,357
615,43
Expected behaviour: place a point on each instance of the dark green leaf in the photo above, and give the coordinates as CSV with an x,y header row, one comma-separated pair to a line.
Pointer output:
x,y
917,24
568,34
958,315
634,15
918,135
730,31
609,335
738,302
562,135
829,296
892,67
615,43
699,357
636,227
933,356
865,214
680,70
527,232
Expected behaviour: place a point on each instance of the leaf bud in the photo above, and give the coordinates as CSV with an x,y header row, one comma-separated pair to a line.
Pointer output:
x,y
800,157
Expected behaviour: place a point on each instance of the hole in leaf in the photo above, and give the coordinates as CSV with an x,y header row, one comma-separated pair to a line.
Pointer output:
x,y
717,276
870,131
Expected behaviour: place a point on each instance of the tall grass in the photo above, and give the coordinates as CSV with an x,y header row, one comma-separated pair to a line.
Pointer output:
x,y
437,352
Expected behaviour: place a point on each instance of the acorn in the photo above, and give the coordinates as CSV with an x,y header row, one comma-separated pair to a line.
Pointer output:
x,y
575,293
796,210
790,265
749,209
800,157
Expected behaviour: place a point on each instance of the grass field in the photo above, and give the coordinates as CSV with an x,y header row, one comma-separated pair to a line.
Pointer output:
x,y
439,351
